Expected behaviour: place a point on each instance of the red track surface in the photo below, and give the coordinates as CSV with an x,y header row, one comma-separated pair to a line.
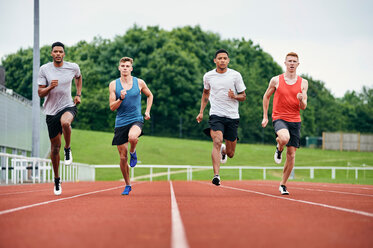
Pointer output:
x,y
236,214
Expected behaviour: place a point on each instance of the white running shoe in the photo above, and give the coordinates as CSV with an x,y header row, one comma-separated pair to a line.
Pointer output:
x,y
224,157
57,186
283,190
278,156
68,156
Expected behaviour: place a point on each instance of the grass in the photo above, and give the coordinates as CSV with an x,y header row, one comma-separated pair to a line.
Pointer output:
x,y
95,148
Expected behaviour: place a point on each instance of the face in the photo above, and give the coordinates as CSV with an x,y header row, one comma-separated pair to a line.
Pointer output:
x,y
57,54
291,63
125,68
221,61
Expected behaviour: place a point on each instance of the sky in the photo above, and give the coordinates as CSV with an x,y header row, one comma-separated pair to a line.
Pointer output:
x,y
334,39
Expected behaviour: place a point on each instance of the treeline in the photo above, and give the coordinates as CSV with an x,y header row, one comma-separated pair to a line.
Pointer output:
x,y
172,63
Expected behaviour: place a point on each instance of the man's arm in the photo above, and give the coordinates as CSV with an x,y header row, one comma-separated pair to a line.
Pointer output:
x,y
239,97
303,96
78,84
115,103
149,101
266,97
204,101
44,90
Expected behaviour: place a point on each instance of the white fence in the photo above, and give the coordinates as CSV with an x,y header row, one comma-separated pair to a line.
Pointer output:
x,y
188,169
20,169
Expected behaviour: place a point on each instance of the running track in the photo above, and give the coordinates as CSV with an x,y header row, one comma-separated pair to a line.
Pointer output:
x,y
186,214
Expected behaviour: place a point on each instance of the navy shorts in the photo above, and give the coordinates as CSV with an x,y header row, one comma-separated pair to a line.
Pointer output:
x,y
54,121
226,125
121,133
292,127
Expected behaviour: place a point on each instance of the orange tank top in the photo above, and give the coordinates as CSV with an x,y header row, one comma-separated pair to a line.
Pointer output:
x,y
285,102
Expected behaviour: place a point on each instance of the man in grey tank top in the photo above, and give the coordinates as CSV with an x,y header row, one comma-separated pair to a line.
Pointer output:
x,y
55,86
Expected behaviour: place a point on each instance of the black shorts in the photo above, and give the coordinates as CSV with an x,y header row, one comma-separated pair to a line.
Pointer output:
x,y
226,125
121,133
54,121
292,127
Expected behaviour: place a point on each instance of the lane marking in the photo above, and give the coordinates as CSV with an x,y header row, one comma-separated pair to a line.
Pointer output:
x,y
311,189
57,200
23,192
302,201
178,237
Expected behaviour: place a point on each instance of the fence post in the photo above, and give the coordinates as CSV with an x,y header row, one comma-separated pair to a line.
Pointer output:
x,y
312,173
151,174
333,173
356,173
168,173
240,174
264,174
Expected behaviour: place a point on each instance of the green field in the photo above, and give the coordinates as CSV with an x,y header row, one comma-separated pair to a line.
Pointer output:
x,y
95,148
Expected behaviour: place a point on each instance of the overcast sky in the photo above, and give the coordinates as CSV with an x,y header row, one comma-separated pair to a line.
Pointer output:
x,y
334,39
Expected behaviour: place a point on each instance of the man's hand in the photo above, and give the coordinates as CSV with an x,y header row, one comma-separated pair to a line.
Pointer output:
x,y
199,117
264,122
231,94
147,116
123,94
300,96
76,100
54,84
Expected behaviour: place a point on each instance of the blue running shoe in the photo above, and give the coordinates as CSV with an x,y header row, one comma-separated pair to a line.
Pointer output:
x,y
133,160
127,190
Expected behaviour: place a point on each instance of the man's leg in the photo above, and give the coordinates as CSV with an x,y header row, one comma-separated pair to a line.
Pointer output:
x,y
55,154
217,139
66,120
133,137
289,164
230,148
123,162
283,137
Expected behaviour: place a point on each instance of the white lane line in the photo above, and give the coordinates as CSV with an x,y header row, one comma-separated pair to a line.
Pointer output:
x,y
23,192
178,237
314,189
57,200
305,202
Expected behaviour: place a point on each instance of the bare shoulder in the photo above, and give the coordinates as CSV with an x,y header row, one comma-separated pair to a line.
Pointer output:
x,y
112,85
274,81
304,83
141,83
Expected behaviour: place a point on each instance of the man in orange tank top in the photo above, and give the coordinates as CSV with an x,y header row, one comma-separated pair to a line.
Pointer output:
x,y
290,97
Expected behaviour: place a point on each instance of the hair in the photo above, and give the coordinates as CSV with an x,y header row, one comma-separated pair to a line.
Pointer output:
x,y
292,54
221,51
125,59
57,43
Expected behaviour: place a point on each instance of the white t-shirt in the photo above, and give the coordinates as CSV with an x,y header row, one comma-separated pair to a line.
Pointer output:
x,y
59,97
219,85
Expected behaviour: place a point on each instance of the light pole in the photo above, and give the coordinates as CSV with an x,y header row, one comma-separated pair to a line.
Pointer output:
x,y
35,97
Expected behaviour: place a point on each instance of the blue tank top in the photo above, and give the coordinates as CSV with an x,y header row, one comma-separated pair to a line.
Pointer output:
x,y
129,110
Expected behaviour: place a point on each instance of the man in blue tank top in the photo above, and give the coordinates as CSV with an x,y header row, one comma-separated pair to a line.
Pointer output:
x,y
125,97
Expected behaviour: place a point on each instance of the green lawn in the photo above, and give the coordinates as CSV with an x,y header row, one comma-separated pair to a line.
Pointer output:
x,y
95,148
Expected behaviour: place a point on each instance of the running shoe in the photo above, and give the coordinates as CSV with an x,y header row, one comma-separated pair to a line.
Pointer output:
x,y
133,160
278,156
68,156
224,156
127,190
283,190
57,186
216,180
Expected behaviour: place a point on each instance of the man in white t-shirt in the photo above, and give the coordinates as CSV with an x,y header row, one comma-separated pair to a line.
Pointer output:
x,y
55,85
224,88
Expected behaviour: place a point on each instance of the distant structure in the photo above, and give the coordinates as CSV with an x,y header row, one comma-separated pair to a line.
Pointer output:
x,y
2,75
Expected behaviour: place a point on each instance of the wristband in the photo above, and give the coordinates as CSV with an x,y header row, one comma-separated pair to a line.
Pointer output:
x,y
78,95
120,98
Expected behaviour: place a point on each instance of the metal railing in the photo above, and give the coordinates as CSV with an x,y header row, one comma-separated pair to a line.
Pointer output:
x,y
20,169
188,169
